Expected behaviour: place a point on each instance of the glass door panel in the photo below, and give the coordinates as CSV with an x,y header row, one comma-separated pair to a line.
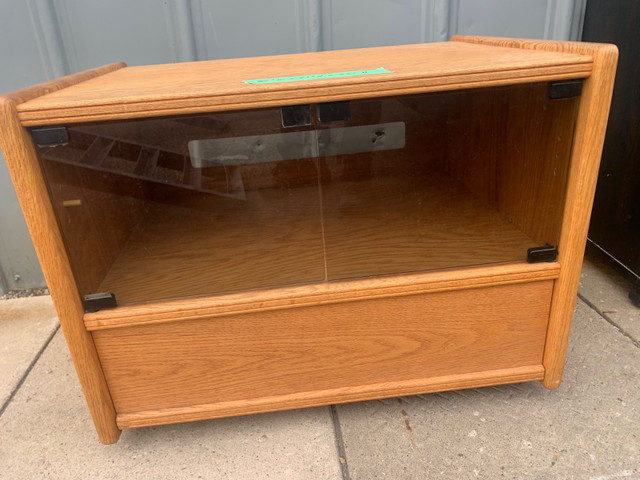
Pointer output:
x,y
472,178
173,207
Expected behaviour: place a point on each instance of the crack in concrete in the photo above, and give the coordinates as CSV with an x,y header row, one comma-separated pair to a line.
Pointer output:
x,y
342,455
28,370
609,320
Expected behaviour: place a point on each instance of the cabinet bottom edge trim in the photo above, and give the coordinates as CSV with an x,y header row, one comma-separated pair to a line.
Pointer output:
x,y
191,413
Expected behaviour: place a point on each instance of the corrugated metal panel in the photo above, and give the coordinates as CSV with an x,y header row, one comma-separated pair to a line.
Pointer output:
x,y
225,29
23,62
44,39
381,22
550,19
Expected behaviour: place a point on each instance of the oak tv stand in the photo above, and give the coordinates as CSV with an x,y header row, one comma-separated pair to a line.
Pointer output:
x,y
248,235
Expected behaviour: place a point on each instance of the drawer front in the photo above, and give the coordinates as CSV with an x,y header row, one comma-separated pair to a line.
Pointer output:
x,y
304,350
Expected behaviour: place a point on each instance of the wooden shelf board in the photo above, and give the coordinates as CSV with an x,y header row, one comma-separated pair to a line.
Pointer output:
x,y
407,224
178,252
214,85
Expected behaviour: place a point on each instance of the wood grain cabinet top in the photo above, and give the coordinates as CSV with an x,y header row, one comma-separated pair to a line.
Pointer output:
x,y
128,92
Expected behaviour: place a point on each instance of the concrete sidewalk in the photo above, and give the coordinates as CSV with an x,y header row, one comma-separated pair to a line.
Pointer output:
x,y
589,428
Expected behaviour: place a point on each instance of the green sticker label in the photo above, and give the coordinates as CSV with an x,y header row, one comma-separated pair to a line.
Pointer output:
x,y
317,76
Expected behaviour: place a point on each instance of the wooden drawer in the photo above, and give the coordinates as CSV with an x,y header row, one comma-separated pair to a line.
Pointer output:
x,y
347,351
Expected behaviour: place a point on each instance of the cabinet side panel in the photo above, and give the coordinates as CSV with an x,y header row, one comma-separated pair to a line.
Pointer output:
x,y
36,206
320,348
591,126
533,165
591,123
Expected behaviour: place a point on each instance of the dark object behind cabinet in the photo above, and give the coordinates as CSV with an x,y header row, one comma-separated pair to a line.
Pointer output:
x,y
615,223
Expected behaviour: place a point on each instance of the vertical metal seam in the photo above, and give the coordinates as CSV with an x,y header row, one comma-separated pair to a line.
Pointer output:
x,y
183,24
315,25
301,15
577,20
4,286
67,40
40,42
424,15
550,19
441,26
170,31
563,19
454,11
309,25
326,23
48,38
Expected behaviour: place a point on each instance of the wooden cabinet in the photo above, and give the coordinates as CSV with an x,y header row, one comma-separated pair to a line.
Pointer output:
x,y
247,235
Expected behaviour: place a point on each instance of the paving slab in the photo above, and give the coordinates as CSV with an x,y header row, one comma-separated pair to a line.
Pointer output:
x,y
608,292
26,324
46,432
589,428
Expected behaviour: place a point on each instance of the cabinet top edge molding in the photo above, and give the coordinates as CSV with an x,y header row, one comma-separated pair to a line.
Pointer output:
x,y
118,92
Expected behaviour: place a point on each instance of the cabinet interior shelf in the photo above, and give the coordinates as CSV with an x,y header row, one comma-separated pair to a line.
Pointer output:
x,y
220,254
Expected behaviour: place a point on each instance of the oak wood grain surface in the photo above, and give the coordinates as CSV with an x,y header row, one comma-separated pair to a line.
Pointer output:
x,y
262,300
511,147
216,85
406,224
270,240
159,416
534,162
30,93
358,343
